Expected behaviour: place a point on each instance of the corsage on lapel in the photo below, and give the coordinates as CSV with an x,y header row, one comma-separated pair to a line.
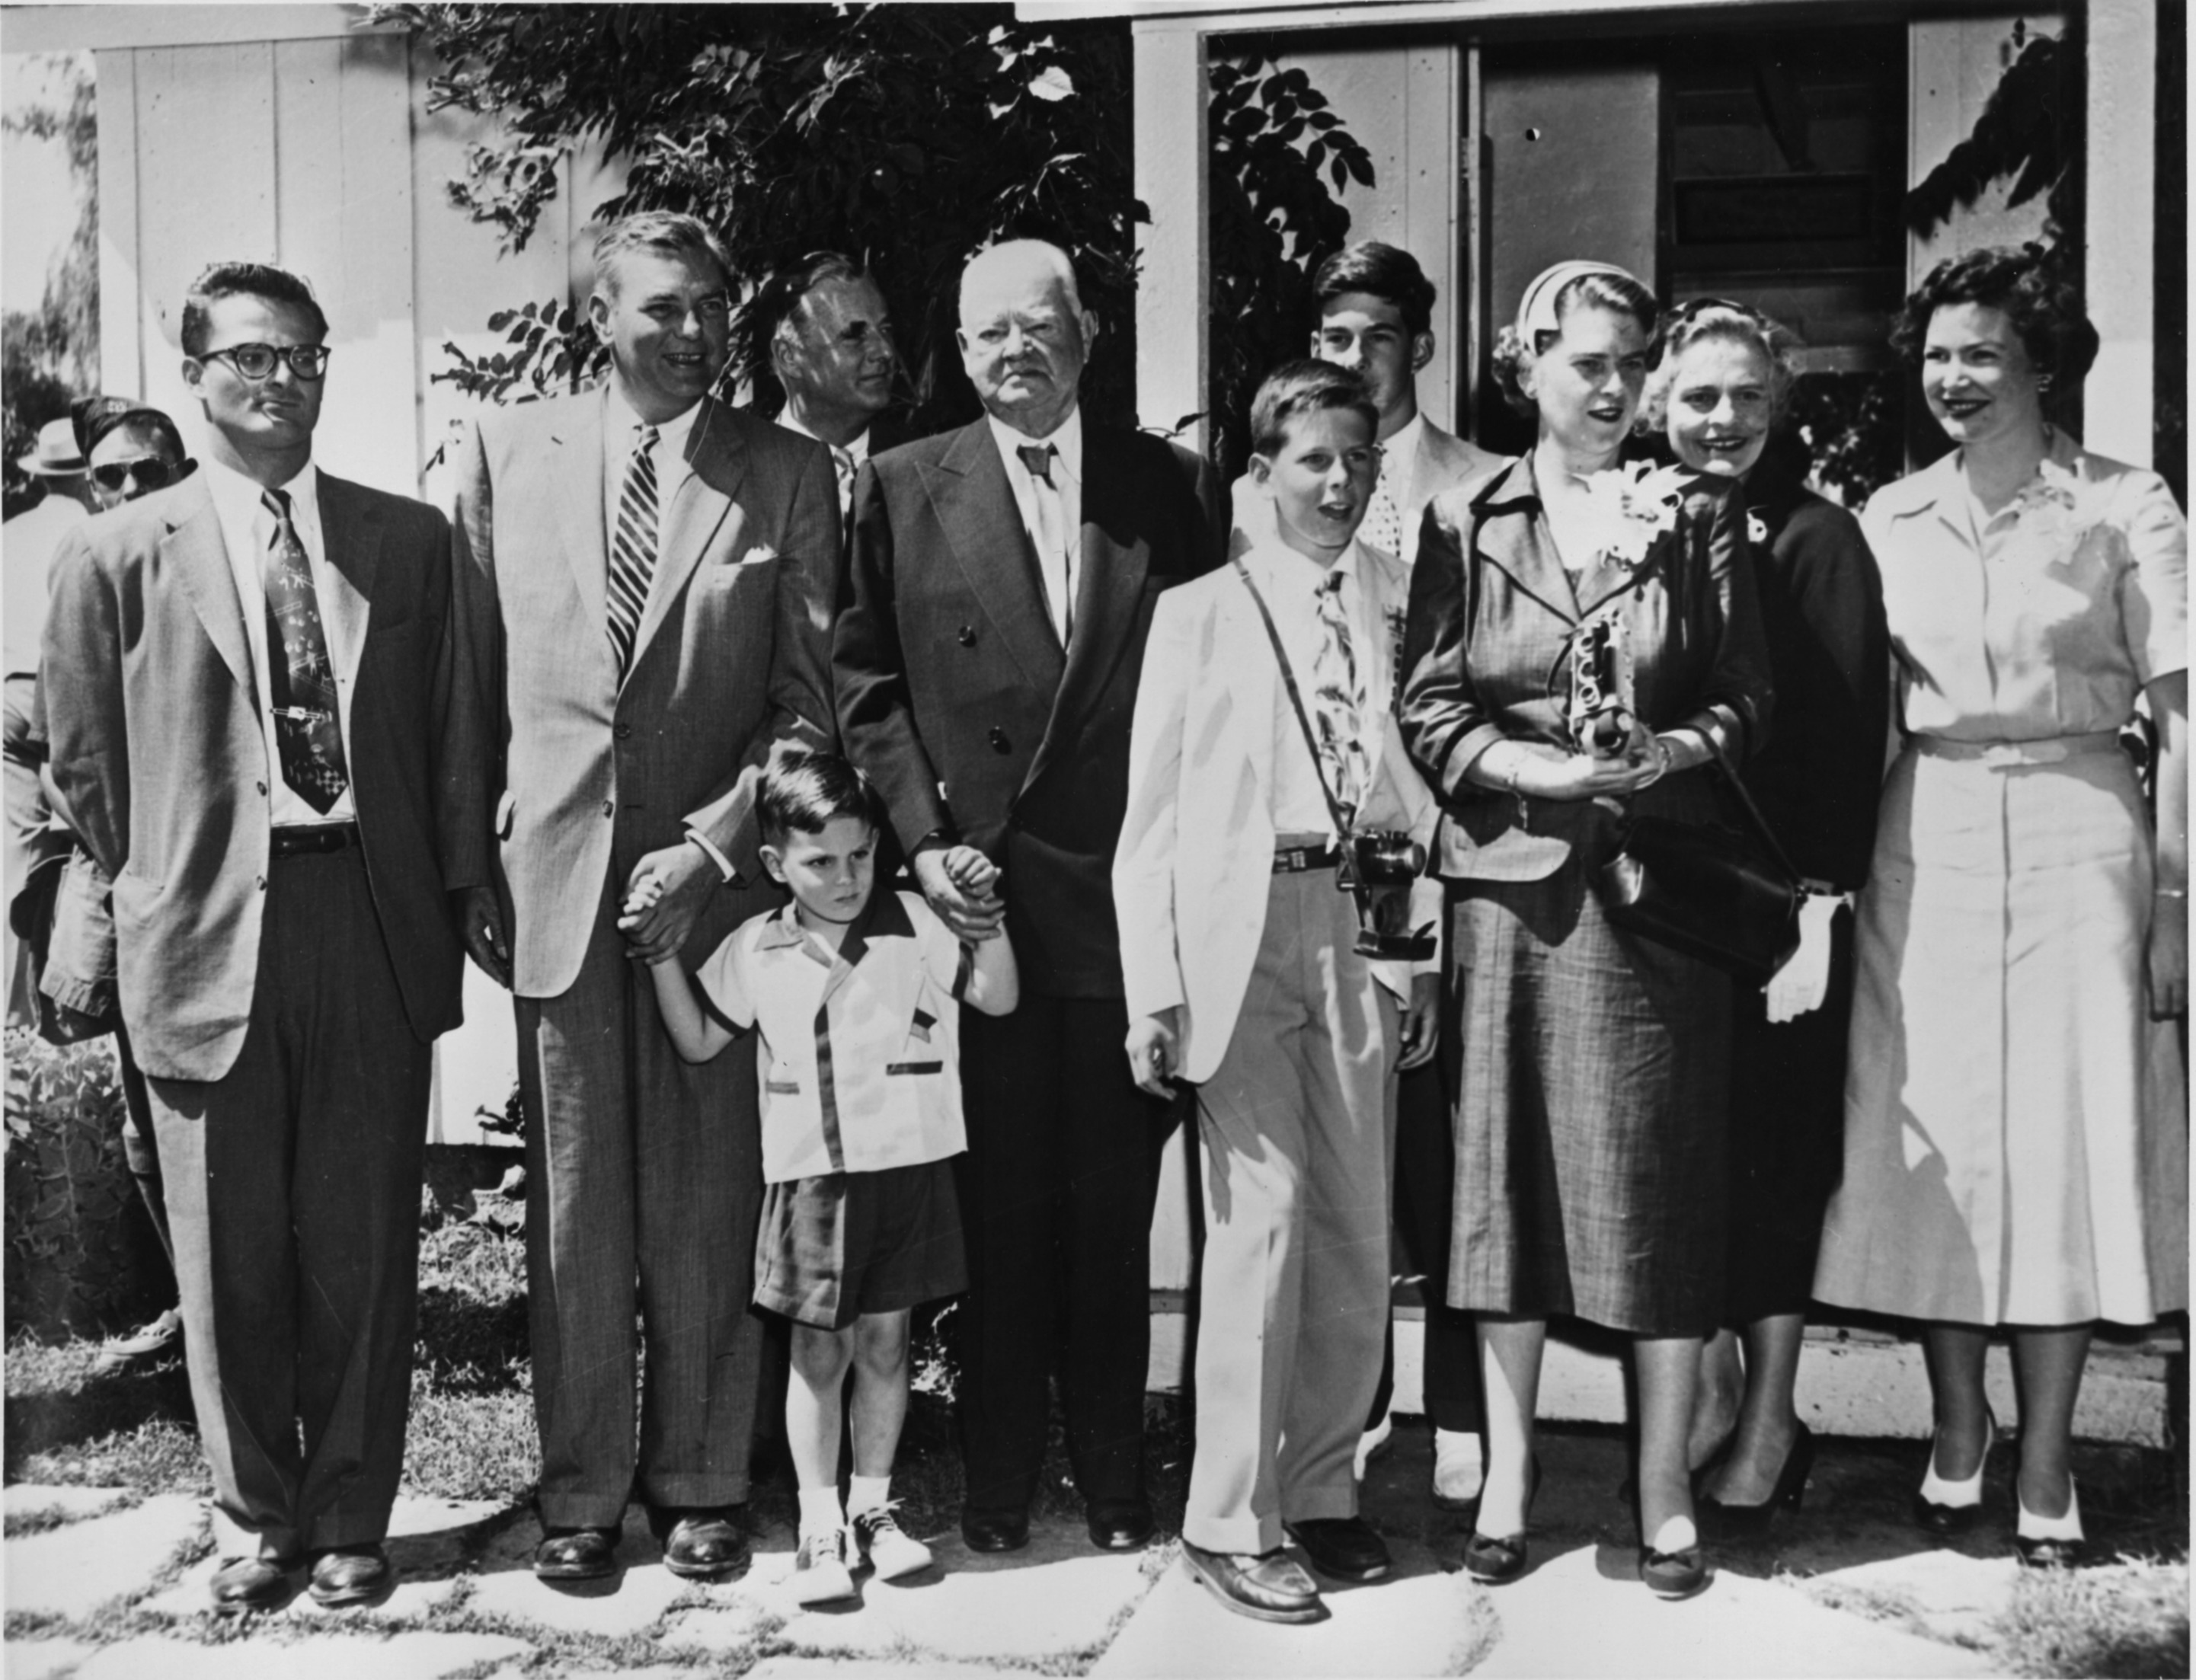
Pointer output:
x,y
1632,505
1757,527
2056,510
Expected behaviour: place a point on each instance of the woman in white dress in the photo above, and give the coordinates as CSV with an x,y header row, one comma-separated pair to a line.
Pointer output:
x,y
2015,1135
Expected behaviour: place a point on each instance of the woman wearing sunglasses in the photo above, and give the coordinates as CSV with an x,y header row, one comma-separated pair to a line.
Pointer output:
x,y
132,453
1724,376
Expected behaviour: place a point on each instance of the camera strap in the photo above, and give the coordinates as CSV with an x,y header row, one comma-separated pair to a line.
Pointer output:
x,y
1334,811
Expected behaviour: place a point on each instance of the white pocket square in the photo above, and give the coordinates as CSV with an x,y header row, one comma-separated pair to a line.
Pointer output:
x,y
754,557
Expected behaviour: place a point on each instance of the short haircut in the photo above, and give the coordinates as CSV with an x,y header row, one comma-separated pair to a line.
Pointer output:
x,y
161,430
1596,289
669,233
2043,305
1305,387
262,280
1385,271
778,306
803,791
87,416
1717,318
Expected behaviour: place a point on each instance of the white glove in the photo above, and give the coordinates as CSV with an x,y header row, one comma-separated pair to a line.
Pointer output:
x,y
1800,983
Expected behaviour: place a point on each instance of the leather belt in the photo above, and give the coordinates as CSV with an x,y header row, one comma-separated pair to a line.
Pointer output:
x,y
314,837
2009,755
1303,856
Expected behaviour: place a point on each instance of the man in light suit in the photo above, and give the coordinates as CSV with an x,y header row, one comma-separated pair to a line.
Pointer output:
x,y
1000,587
645,579
257,735
1264,740
1375,318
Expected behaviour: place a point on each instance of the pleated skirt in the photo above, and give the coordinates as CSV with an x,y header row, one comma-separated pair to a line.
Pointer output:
x,y
1592,1074
2015,1137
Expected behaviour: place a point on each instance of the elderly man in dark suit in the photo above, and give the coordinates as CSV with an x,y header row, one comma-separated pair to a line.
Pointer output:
x,y
1000,589
256,733
646,578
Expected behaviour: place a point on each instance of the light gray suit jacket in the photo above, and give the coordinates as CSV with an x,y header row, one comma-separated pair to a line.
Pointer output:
x,y
732,661
159,758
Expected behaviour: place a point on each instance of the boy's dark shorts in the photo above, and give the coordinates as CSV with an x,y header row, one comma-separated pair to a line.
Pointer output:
x,y
831,1248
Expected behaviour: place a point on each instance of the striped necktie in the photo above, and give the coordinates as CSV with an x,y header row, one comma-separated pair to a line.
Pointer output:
x,y
300,679
633,549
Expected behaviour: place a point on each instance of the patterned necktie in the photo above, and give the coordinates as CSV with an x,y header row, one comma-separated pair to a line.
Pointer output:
x,y
1338,701
1383,521
633,549
301,681
842,463
1052,559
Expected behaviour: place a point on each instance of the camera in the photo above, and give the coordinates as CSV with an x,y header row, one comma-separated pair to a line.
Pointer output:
x,y
1599,710
1378,866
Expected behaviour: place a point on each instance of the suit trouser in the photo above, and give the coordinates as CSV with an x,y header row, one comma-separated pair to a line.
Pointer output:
x,y
1425,1192
292,1185
643,1176
1298,1123
1056,1190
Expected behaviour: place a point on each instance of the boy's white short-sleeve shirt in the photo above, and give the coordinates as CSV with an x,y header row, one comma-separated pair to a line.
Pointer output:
x,y
860,1058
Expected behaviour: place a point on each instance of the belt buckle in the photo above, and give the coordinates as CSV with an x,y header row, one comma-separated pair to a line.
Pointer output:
x,y
2003,755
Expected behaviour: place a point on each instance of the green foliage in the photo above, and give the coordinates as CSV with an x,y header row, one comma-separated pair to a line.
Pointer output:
x,y
51,355
910,136
1275,144
77,1257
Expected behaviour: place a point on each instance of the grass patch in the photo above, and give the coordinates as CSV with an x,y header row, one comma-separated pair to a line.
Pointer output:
x,y
2125,1619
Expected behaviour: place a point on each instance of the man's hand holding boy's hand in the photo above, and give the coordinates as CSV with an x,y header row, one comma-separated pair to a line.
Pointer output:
x,y
972,914
1154,1048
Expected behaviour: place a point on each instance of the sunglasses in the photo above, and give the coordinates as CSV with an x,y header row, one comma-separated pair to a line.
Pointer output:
x,y
147,473
257,362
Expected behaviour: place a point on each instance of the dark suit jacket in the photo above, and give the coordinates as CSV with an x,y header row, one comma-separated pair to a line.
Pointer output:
x,y
955,695
159,760
1487,645
1819,777
730,662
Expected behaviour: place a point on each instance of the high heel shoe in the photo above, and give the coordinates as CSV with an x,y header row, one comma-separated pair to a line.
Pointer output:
x,y
1947,1507
1751,1522
1678,1573
2050,1542
1495,1560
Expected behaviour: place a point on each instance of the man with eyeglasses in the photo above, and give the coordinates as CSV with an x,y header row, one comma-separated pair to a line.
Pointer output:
x,y
256,734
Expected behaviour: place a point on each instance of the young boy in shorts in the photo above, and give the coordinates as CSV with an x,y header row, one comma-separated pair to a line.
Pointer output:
x,y
1246,976
858,998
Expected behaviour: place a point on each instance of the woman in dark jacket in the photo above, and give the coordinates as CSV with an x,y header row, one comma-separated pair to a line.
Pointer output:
x,y
1724,375
1579,632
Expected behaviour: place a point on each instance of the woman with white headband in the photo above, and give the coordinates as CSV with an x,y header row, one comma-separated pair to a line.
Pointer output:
x,y
1579,631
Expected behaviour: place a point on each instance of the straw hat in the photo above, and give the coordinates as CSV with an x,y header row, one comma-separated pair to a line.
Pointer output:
x,y
57,455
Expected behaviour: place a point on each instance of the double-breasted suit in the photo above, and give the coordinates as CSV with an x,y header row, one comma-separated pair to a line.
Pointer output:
x,y
643,1171
282,1004
957,698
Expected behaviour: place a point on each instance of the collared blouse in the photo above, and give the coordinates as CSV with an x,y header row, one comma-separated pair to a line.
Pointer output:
x,y
1492,616
2046,619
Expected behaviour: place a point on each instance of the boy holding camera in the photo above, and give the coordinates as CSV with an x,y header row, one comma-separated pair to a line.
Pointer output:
x,y
857,998
1277,947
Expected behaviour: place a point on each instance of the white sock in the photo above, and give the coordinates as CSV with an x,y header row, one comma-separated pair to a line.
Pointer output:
x,y
868,1494
820,1513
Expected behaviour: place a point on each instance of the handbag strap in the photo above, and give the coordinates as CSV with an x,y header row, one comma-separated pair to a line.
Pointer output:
x,y
1296,700
1761,823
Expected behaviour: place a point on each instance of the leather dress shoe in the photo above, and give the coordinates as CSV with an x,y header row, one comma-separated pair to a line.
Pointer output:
x,y
576,1554
994,1530
1674,1575
1120,1525
705,1545
1266,1586
253,1584
1342,1548
351,1575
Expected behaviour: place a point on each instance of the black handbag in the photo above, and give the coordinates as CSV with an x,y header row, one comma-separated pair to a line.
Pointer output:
x,y
1709,892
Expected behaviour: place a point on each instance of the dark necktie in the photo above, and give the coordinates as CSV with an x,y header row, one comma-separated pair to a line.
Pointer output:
x,y
307,723
633,549
1037,460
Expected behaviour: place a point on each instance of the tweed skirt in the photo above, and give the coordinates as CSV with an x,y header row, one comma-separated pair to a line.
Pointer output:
x,y
1592,1077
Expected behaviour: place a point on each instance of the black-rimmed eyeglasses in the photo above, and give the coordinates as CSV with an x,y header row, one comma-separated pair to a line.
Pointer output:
x,y
257,362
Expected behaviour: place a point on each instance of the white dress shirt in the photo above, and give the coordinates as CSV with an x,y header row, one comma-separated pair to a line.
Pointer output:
x,y
1061,570
620,432
846,458
247,531
1291,586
